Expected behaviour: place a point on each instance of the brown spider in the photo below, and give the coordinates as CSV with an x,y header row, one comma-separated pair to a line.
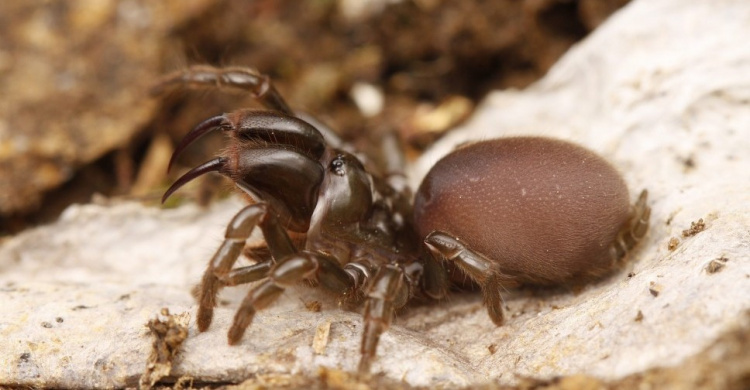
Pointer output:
x,y
502,212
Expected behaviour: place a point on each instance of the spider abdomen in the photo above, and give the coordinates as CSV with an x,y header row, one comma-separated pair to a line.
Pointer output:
x,y
545,211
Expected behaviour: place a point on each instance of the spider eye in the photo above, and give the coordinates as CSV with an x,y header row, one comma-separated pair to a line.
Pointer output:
x,y
338,165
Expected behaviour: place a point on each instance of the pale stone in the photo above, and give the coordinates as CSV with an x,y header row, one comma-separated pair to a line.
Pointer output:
x,y
661,83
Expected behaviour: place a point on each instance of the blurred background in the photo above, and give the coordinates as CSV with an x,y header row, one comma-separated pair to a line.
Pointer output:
x,y
77,122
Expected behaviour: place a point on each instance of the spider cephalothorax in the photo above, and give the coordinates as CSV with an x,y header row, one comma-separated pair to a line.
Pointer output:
x,y
502,212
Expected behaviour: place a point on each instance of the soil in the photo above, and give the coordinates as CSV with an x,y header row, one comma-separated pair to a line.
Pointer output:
x,y
432,61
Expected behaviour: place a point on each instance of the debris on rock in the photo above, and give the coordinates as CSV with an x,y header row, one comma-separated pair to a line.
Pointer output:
x,y
695,228
169,334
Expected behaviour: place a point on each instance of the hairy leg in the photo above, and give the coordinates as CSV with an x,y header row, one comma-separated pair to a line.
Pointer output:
x,y
634,230
240,79
476,266
387,292
219,271
288,272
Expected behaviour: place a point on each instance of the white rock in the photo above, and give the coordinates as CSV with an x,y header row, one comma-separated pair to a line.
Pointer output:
x,y
661,83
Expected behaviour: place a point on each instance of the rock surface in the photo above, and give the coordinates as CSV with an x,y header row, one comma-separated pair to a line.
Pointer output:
x,y
662,90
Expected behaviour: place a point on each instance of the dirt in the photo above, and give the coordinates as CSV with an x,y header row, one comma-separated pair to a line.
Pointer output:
x,y
79,121
73,76
695,228
169,333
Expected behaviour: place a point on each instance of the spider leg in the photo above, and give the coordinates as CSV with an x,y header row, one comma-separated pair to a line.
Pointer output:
x,y
251,273
634,230
239,79
435,281
387,292
219,271
288,272
247,274
476,266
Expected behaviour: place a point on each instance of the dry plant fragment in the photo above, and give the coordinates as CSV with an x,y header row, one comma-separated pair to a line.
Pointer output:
x,y
716,265
695,228
168,337
320,340
313,306
655,288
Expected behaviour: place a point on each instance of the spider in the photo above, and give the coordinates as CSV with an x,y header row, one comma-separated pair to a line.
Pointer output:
x,y
504,212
